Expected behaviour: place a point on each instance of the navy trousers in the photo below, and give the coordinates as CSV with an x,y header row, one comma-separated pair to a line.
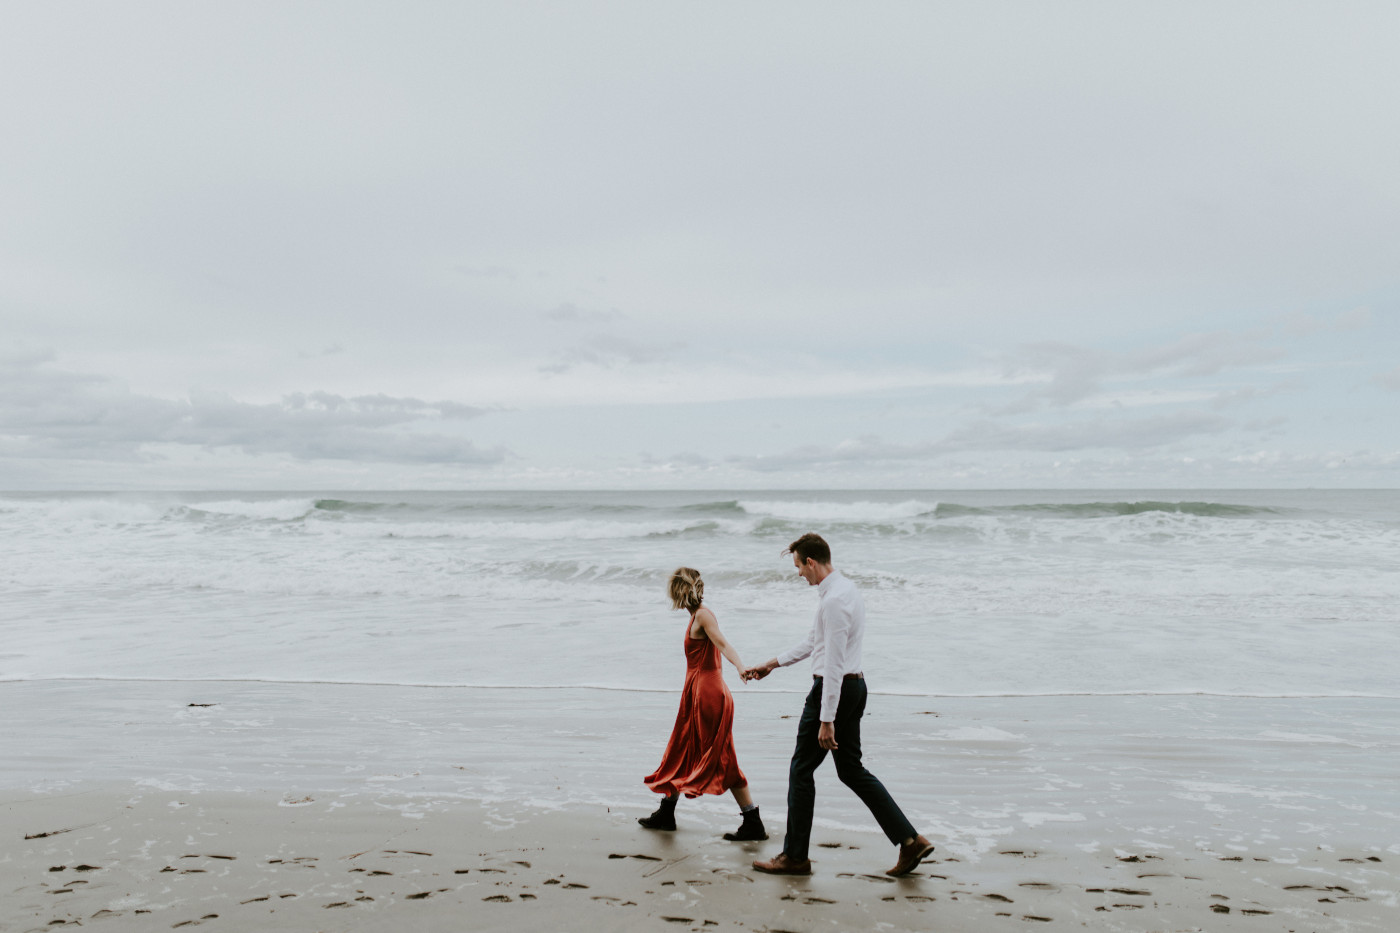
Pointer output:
x,y
802,787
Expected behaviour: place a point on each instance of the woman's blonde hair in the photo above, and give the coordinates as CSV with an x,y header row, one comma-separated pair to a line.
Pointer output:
x,y
686,589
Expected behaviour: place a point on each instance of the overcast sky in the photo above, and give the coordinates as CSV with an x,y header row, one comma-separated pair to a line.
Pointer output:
x,y
923,245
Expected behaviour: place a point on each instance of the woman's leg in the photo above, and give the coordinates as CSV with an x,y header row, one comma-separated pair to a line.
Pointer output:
x,y
751,829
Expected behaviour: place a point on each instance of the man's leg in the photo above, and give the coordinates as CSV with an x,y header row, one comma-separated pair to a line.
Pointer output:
x,y
802,788
852,772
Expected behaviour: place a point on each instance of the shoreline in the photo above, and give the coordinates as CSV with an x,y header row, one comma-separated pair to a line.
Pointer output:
x,y
120,858
675,691
1038,807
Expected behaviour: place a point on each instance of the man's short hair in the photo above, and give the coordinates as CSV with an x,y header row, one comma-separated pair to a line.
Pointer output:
x,y
810,546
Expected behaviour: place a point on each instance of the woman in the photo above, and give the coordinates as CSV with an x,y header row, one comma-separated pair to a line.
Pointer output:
x,y
700,757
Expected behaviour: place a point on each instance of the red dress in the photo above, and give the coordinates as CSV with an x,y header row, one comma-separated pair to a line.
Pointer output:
x,y
700,756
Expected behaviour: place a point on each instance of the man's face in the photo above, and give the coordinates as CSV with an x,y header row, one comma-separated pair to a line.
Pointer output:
x,y
806,570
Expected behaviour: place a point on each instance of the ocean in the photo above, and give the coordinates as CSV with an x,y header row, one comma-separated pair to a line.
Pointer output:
x,y
1023,593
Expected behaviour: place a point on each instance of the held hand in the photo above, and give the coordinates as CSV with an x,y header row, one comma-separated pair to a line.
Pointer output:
x,y
757,673
826,736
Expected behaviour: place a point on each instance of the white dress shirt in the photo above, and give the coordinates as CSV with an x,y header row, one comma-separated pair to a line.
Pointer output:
x,y
834,641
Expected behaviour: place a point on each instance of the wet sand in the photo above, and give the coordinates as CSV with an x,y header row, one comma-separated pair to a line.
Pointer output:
x,y
122,858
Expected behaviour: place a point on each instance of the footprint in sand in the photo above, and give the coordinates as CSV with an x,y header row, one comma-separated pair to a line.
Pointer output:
x,y
817,900
883,879
728,874
194,923
1038,885
1034,917
999,897
497,899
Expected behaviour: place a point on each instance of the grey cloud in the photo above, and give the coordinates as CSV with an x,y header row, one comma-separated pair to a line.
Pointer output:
x,y
611,352
1300,324
1091,434
1076,373
488,272
684,459
1240,396
332,349
52,413
1355,319
573,313
20,358
1097,433
1390,380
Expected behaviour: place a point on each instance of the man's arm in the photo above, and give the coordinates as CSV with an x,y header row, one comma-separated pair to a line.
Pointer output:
x,y
797,652
837,618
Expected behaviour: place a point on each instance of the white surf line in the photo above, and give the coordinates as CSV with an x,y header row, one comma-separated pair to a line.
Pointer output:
x,y
78,678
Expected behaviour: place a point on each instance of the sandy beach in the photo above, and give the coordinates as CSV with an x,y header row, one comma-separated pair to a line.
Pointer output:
x,y
157,805
159,860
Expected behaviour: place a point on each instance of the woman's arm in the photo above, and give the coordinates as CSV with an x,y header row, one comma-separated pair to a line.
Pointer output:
x,y
710,626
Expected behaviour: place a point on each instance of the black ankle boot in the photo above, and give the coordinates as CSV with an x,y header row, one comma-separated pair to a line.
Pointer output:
x,y
751,830
664,817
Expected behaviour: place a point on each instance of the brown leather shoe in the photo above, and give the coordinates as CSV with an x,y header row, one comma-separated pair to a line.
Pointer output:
x,y
782,865
910,856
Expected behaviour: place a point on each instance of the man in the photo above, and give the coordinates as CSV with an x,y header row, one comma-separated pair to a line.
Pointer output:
x,y
831,717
